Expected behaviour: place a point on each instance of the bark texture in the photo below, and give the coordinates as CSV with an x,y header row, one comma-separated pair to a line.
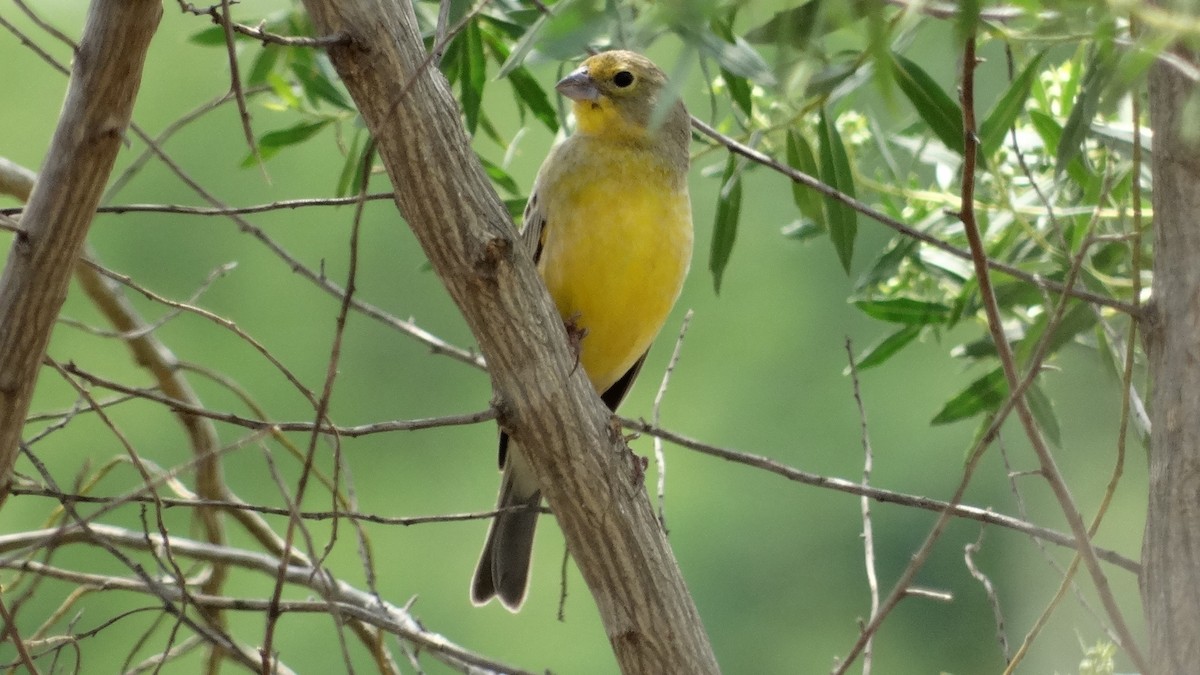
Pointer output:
x,y
591,481
1171,548
105,76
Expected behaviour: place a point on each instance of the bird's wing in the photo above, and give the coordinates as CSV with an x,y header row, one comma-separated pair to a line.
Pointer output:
x,y
535,224
613,396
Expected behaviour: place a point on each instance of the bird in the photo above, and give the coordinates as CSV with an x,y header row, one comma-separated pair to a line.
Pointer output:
x,y
609,225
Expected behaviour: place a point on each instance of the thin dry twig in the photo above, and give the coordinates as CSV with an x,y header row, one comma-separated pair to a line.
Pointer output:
x,y
220,17
660,458
865,502
952,508
969,552
350,601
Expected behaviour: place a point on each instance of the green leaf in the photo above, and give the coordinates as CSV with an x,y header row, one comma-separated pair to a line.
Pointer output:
x,y
520,50
499,176
739,91
793,27
531,94
729,209
802,230
1078,318
562,33
1100,71
888,347
473,74
800,157
1004,114
272,142
282,89
1110,257
886,267
737,57
739,87
263,64
1043,411
1051,133
934,105
982,395
905,310
835,172
512,22
209,37
515,206
829,78
318,87
350,179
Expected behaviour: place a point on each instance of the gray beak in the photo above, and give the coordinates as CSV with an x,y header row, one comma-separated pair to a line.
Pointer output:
x,y
578,86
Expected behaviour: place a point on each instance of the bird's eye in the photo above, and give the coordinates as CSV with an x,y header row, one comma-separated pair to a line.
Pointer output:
x,y
623,79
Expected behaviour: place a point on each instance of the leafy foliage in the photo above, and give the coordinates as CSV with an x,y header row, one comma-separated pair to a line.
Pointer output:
x,y
1047,191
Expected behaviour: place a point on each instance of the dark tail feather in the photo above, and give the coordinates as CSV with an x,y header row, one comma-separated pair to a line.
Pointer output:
x,y
503,569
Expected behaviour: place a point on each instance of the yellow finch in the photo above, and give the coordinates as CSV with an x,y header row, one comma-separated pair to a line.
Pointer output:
x,y
609,224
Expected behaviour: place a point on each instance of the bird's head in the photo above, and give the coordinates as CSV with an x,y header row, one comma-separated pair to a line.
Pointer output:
x,y
616,93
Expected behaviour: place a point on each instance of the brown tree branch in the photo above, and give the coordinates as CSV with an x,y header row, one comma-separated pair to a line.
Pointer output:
x,y
951,508
1049,468
546,404
104,81
352,602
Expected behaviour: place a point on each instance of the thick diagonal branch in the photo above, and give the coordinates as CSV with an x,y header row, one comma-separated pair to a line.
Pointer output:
x,y
590,480
105,76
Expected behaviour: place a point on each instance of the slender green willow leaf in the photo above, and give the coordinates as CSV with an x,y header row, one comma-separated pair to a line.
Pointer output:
x,y
499,176
1100,70
317,87
1078,318
800,157
739,87
472,74
282,88
274,141
835,171
559,33
934,105
1043,411
1051,133
888,347
793,27
982,395
739,91
729,210
530,95
830,78
292,135
263,64
802,230
350,179
905,310
213,36
1004,114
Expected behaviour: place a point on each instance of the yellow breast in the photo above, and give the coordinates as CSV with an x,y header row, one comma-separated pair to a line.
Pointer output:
x,y
615,250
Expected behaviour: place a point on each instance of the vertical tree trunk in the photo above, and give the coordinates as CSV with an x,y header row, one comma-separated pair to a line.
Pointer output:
x,y
1171,550
104,82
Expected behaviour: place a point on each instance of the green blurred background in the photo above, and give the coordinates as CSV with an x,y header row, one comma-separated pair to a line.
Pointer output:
x,y
776,568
